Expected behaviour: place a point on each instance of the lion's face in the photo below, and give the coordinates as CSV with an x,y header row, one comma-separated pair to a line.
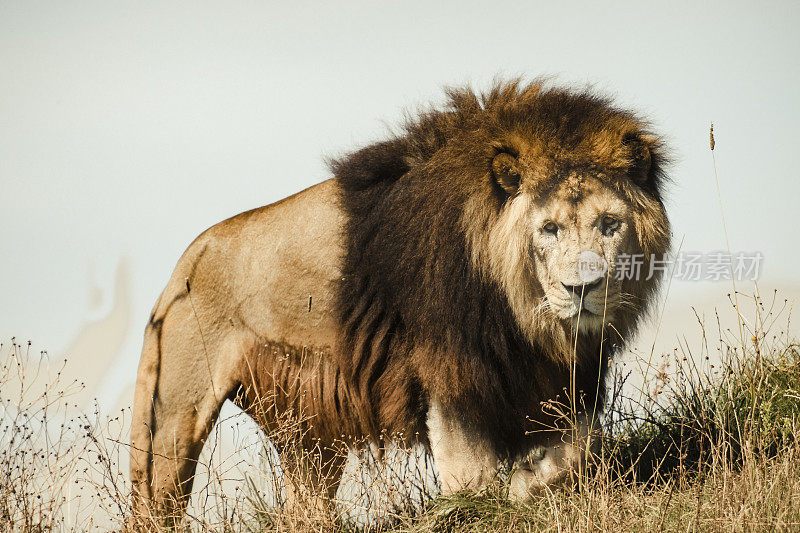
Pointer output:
x,y
554,243
574,234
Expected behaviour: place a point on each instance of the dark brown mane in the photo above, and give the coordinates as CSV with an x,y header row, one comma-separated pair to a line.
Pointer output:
x,y
563,118
417,318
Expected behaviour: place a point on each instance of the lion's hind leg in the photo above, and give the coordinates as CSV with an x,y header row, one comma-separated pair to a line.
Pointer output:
x,y
183,381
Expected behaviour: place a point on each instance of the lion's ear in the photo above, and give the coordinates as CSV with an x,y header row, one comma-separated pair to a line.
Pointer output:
x,y
637,149
505,169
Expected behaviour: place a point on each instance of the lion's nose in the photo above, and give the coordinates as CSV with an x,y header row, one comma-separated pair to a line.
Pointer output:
x,y
583,288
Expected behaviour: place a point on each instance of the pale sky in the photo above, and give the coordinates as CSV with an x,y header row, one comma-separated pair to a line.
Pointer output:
x,y
126,129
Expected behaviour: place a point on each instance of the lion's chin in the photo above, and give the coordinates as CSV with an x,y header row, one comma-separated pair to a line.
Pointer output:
x,y
584,320
587,321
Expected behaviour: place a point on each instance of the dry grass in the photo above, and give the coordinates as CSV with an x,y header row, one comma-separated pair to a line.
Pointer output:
x,y
707,446
54,465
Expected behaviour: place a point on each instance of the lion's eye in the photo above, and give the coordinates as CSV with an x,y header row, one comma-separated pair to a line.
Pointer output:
x,y
550,227
609,225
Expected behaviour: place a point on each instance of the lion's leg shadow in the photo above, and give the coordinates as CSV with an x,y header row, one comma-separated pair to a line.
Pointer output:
x,y
555,463
465,461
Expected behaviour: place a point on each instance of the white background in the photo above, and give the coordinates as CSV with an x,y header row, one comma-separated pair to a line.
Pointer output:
x,y
128,128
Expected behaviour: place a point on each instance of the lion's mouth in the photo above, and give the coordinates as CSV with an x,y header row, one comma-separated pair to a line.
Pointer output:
x,y
581,314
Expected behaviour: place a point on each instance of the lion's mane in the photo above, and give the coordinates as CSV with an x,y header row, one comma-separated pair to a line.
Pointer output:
x,y
420,319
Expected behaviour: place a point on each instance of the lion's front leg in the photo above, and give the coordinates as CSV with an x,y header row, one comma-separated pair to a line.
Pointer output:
x,y
464,459
556,462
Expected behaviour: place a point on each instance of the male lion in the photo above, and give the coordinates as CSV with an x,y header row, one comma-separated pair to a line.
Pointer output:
x,y
436,281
